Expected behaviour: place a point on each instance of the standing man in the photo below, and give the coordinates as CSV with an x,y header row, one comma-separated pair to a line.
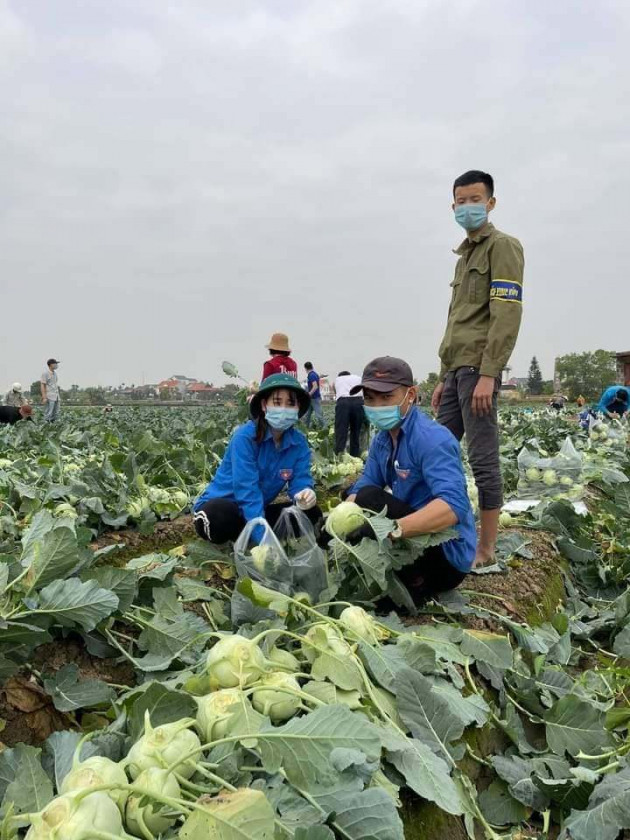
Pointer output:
x,y
280,361
483,322
312,386
15,396
50,390
348,413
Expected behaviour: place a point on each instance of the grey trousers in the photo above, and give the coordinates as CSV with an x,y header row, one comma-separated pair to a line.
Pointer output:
x,y
52,410
482,433
317,410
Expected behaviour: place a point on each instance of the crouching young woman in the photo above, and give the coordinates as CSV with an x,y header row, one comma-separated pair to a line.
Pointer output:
x,y
265,456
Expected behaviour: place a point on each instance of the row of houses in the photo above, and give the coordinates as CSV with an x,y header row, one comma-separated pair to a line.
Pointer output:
x,y
173,388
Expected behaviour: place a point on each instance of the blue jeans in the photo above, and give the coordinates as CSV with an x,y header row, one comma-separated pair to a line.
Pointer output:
x,y
317,410
52,410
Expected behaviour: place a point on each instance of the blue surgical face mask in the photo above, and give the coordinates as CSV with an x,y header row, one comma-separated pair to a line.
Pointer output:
x,y
471,216
385,417
281,419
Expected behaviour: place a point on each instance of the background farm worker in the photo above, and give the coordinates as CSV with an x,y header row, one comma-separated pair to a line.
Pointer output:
x,y
581,401
314,392
280,361
15,396
349,414
614,402
558,401
483,322
420,461
265,456
11,413
50,390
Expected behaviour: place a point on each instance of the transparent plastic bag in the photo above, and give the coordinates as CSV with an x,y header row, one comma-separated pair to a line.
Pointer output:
x,y
259,555
286,558
307,560
550,477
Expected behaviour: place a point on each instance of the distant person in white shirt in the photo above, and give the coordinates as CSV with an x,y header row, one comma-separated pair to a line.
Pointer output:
x,y
15,396
50,390
348,413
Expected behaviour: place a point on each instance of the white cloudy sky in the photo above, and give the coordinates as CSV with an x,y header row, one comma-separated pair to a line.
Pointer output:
x,y
178,180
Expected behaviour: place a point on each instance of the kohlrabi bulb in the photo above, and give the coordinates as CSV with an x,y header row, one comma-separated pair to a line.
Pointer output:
x,y
95,772
213,712
157,782
235,661
270,699
163,746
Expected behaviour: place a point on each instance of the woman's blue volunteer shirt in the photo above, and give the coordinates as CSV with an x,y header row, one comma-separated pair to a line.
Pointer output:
x,y
425,465
252,474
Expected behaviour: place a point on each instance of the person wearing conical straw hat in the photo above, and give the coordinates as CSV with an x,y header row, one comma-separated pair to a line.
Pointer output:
x,y
280,353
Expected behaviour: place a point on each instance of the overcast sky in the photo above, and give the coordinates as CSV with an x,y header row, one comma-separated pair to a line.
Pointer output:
x,y
180,179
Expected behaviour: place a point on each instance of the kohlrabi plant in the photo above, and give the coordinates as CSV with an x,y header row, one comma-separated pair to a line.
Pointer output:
x,y
214,712
142,816
162,747
235,661
276,697
96,771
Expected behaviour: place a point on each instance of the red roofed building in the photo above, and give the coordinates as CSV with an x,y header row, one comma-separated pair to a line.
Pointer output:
x,y
200,391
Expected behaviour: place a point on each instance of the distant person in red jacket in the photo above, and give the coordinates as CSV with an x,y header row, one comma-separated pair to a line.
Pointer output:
x,y
280,361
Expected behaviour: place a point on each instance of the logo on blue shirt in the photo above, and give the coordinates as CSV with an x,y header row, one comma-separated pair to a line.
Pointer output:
x,y
285,474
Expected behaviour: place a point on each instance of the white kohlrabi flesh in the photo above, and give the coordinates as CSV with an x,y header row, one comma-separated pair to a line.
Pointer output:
x,y
214,712
164,746
344,518
272,696
235,661
95,772
160,783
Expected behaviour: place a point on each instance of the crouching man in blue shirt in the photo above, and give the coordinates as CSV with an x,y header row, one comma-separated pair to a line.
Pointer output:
x,y
419,460
265,457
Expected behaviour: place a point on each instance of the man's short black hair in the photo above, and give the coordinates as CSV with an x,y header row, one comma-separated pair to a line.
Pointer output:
x,y
622,395
475,176
308,365
344,373
279,352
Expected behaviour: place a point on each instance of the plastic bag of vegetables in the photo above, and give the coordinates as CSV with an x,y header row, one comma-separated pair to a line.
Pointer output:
x,y
259,555
309,570
544,476
286,558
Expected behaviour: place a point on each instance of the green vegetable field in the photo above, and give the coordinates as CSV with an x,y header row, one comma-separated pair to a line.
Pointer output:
x,y
151,689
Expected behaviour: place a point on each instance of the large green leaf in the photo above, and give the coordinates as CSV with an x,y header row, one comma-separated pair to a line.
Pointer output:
x,y
427,714
302,747
491,648
442,638
163,704
362,814
608,813
383,662
165,640
31,789
50,558
122,582
425,772
245,814
499,807
574,726
68,692
72,601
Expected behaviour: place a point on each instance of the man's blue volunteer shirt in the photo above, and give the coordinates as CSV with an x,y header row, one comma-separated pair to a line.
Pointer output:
x,y
313,379
609,402
425,464
252,474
